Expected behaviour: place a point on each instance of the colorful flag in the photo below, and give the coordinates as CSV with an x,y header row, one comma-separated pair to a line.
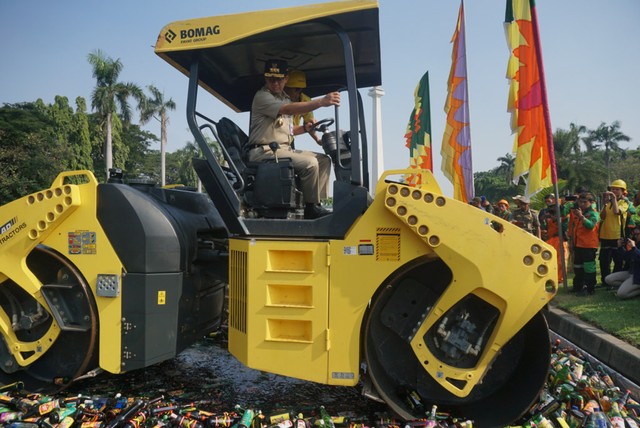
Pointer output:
x,y
456,141
418,134
533,144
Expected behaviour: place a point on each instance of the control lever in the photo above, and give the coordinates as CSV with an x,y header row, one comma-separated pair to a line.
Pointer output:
x,y
274,147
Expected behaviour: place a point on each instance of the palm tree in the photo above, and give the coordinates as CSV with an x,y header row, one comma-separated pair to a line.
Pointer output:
x,y
609,137
507,166
569,154
183,159
109,94
157,108
568,142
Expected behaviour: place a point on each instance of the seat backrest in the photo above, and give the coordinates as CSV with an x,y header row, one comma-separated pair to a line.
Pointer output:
x,y
234,139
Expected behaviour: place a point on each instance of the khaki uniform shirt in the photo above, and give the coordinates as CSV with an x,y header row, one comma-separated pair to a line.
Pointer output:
x,y
527,220
266,124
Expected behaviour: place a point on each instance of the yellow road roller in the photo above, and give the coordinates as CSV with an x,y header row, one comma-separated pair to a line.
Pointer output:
x,y
415,295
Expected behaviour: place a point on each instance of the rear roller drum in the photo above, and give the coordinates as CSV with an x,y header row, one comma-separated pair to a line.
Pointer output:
x,y
508,389
69,321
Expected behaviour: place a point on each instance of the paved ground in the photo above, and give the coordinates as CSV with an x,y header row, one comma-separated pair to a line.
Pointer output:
x,y
613,352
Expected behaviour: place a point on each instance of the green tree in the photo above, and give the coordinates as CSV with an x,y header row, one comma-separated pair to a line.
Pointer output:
x,y
110,97
492,185
578,167
157,107
30,154
140,160
182,165
609,137
507,166
71,129
568,142
80,140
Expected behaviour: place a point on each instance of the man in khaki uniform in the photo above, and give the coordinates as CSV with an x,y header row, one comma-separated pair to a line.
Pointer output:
x,y
272,113
524,217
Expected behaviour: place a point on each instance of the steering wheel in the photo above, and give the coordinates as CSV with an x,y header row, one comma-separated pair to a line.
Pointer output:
x,y
322,125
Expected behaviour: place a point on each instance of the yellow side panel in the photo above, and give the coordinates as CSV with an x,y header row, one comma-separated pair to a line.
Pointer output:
x,y
376,246
278,306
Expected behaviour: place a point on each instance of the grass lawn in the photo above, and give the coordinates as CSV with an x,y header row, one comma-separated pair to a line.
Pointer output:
x,y
621,318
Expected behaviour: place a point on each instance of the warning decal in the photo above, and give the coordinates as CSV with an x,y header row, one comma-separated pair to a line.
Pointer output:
x,y
82,242
388,244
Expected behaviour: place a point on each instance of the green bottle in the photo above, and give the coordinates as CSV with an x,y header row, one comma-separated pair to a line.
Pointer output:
x,y
247,419
326,418
541,422
562,376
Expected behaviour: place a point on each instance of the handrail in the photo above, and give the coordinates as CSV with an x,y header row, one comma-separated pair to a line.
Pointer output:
x,y
350,70
221,192
226,155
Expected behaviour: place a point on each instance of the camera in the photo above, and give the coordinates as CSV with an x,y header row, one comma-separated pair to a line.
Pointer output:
x,y
571,198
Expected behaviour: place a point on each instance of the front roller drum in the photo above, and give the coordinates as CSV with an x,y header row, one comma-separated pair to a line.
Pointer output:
x,y
506,392
71,309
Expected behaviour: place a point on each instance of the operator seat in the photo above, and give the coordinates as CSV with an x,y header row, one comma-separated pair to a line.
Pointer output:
x,y
270,189
234,139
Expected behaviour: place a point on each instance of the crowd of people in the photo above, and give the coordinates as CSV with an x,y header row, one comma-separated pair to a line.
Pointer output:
x,y
605,231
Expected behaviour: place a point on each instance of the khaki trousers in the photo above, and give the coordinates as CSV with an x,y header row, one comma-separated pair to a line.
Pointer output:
x,y
314,169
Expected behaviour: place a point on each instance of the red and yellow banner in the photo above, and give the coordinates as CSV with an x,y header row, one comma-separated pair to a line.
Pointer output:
x,y
533,144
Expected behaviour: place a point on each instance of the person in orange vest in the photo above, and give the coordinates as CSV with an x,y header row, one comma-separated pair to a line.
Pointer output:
x,y
584,223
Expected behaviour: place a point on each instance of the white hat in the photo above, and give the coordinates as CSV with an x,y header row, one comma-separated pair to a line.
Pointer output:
x,y
522,199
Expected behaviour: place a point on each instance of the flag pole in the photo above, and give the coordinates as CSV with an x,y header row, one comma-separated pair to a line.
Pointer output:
x,y
550,146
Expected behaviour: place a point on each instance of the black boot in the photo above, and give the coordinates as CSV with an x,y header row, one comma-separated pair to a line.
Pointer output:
x,y
312,211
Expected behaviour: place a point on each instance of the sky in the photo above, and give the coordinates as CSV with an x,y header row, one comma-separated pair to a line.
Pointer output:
x,y
590,52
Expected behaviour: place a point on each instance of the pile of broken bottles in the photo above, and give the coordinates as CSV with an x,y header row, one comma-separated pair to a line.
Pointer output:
x,y
576,394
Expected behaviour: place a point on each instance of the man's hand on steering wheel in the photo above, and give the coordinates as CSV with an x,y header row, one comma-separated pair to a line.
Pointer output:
x,y
320,125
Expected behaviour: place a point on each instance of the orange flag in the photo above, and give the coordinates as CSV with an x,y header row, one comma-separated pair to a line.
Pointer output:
x,y
530,123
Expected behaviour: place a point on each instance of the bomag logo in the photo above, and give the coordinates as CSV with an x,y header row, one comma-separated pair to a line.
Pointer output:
x,y
169,36
192,34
